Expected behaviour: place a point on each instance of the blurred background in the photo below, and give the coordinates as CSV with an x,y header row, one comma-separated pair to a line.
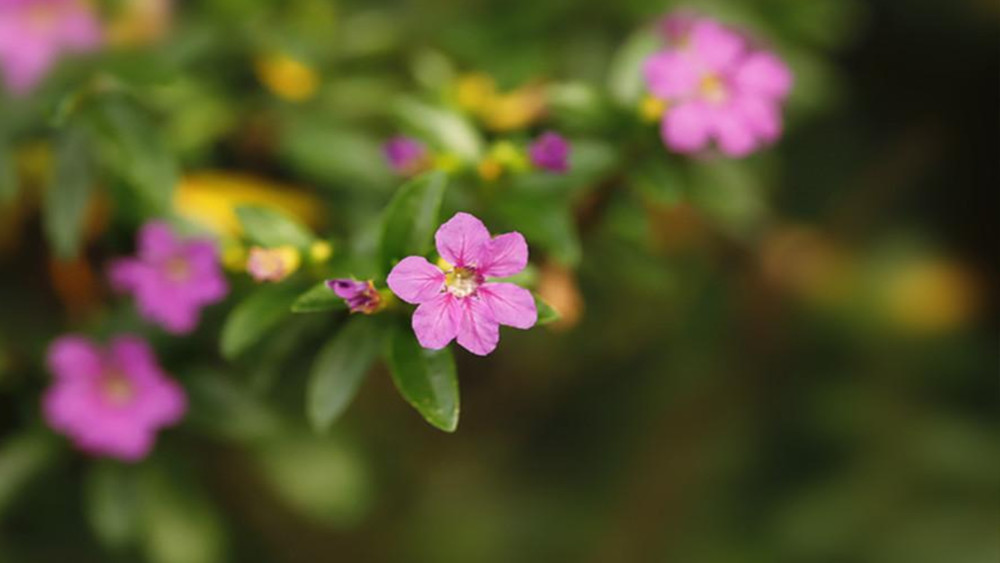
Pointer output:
x,y
787,358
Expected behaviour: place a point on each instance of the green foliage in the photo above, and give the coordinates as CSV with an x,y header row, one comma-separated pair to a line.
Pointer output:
x,y
425,378
546,314
254,317
67,198
339,368
445,129
410,219
270,228
136,150
111,502
318,299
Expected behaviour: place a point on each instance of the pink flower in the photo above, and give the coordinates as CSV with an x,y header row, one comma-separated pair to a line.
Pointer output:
x,y
461,302
110,402
550,152
34,33
361,296
717,88
171,279
406,156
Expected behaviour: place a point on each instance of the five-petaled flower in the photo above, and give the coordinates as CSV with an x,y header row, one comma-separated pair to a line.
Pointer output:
x,y
361,296
461,302
171,278
34,33
110,402
716,88
406,156
550,152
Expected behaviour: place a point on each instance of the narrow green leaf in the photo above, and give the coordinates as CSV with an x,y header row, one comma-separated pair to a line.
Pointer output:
x,y
411,218
110,493
425,378
318,299
254,317
138,151
269,227
8,173
339,368
67,197
22,458
625,80
546,314
446,129
544,220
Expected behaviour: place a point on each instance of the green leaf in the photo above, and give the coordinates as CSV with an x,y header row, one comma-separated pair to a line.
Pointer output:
x,y
270,228
22,458
254,317
546,314
8,173
425,378
180,525
110,492
318,299
544,220
137,151
67,197
445,129
339,368
411,218
625,80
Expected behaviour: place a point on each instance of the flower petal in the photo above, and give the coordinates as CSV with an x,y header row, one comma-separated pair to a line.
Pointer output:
x,y
685,128
157,242
435,322
761,115
510,304
478,331
460,239
415,280
74,357
733,134
715,46
671,75
764,74
505,255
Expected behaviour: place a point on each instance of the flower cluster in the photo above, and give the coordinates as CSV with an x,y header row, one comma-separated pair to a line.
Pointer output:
x,y
715,87
549,152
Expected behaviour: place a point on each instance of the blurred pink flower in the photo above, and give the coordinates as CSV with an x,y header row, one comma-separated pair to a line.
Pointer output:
x,y
34,33
171,279
361,296
717,88
406,155
461,302
110,402
550,152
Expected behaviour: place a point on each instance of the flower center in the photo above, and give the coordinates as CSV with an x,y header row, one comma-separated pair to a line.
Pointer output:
x,y
177,269
462,282
116,388
713,88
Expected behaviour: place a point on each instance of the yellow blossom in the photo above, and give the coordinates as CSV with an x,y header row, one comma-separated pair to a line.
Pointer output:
x,y
651,109
287,78
209,199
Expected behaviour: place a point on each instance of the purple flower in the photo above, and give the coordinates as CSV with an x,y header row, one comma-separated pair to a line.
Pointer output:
x,y
550,152
34,33
361,296
675,28
461,301
110,402
406,156
171,279
716,88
